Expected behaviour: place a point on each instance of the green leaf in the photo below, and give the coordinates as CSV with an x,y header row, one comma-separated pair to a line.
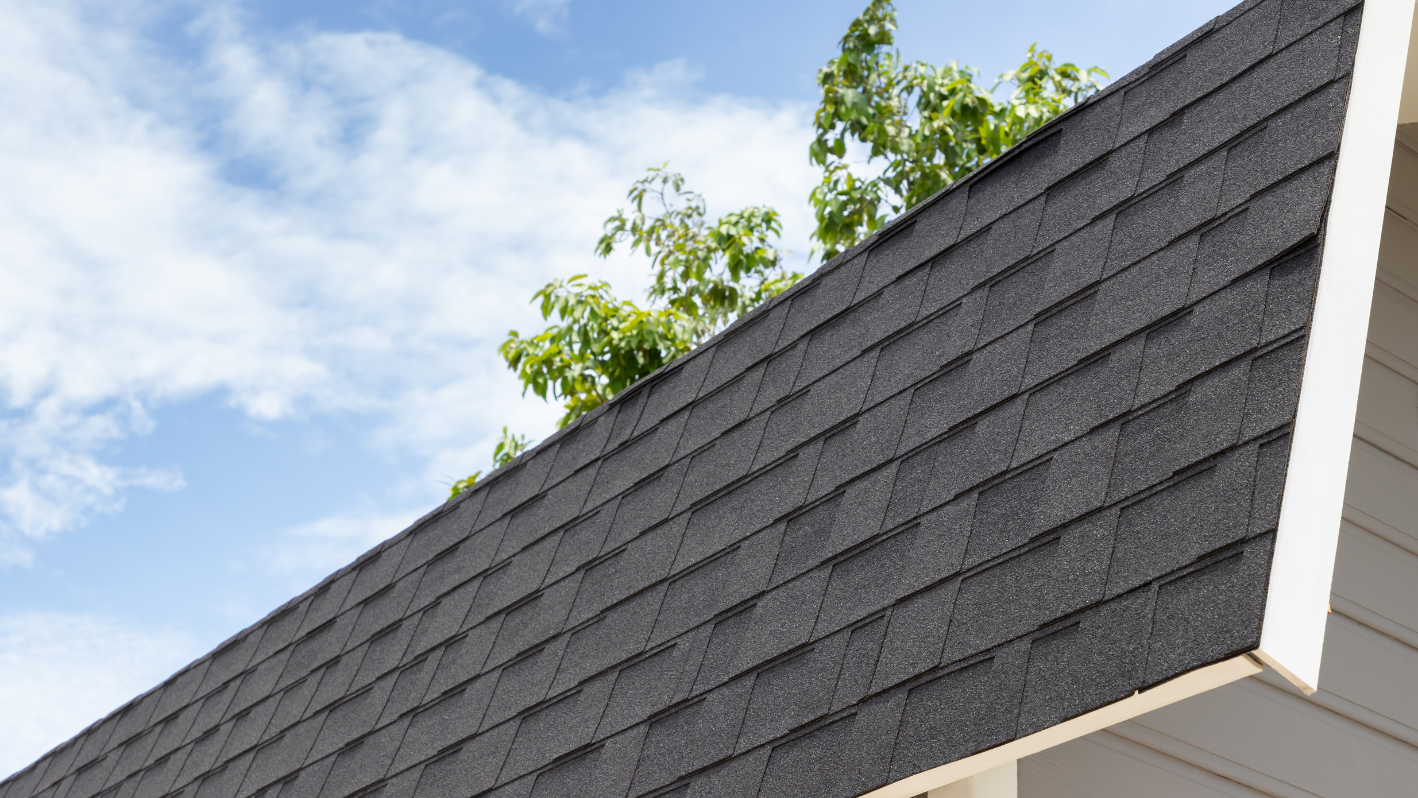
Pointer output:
x,y
930,125
922,126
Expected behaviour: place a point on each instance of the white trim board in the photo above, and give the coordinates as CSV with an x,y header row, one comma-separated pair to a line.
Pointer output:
x,y
1292,634
1170,692
1000,781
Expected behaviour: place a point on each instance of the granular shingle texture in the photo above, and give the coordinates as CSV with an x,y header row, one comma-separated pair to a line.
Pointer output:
x,y
1013,459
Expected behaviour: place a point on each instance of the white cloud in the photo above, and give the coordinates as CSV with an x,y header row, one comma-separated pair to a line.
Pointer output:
x,y
326,223
56,481
60,672
306,553
547,16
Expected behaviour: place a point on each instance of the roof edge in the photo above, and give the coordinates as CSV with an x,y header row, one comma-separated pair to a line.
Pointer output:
x,y
1292,632
1185,686
888,229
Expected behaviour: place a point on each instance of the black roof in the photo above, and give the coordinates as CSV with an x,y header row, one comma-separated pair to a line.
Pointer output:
x,y
1013,459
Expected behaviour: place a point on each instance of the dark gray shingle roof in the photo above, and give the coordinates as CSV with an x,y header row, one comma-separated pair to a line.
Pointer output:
x,y
1013,459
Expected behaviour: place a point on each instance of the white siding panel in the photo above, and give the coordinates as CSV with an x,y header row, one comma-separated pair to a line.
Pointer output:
x,y
1272,732
1384,487
1387,417
1378,576
1391,322
1098,766
1372,670
1398,252
1404,174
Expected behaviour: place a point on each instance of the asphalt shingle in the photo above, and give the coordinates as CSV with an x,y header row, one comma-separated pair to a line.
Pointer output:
x,y
737,778
1199,512
464,657
959,713
1196,620
444,617
859,662
410,685
983,255
546,512
444,720
514,486
1202,419
1274,388
925,348
1090,192
555,729
469,769
1079,400
791,692
627,570
913,639
615,635
821,297
364,762
862,445
805,540
384,652
991,374
804,766
603,772
1277,220
534,620
335,680
1093,660
752,340
696,594
675,388
778,622
376,572
692,736
523,683
644,687
727,406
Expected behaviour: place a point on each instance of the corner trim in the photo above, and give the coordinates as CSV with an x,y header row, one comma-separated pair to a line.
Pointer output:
x,y
1170,692
1292,634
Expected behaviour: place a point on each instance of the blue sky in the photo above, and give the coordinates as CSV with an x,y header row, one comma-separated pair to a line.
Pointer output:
x,y
260,254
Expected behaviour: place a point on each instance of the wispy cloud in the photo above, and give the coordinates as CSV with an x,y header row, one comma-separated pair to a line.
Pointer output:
x,y
547,16
304,554
56,479
60,672
325,223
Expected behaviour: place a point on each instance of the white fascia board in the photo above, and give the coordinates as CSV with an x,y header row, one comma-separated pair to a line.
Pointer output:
x,y
1292,637
1000,781
1170,692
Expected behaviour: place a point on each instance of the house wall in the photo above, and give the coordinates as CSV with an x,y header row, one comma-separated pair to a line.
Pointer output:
x,y
1357,736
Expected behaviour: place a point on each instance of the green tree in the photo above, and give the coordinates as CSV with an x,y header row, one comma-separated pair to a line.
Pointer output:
x,y
705,275
921,126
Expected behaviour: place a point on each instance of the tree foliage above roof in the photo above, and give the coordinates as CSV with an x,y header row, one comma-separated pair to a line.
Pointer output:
x,y
928,126
705,275
919,127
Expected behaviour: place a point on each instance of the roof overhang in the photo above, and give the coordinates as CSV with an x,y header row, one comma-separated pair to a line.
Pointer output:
x,y
1384,94
1292,635
1178,689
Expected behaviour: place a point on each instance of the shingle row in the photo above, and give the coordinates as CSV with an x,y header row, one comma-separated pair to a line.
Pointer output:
x,y
1014,459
